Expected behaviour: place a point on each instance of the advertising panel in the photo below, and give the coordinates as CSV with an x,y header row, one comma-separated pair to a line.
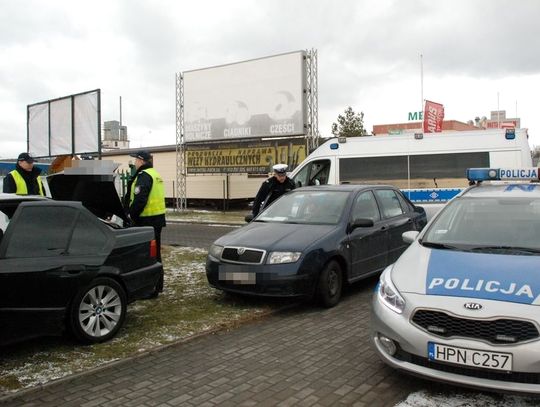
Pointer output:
x,y
67,125
433,117
250,99
251,158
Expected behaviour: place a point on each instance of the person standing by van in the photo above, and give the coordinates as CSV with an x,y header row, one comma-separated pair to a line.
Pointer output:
x,y
273,188
24,179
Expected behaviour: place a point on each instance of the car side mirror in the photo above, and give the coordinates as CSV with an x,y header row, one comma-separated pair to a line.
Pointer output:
x,y
249,218
298,184
361,223
410,236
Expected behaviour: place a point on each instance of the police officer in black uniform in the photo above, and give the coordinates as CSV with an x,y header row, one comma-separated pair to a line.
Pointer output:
x,y
24,179
273,188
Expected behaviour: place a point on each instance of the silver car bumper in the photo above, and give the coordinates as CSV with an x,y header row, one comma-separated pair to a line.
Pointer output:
x,y
412,345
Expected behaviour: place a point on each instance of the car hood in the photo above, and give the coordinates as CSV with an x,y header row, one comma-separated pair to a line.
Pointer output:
x,y
502,277
91,183
276,236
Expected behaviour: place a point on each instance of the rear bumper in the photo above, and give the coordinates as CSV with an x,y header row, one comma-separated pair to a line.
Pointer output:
x,y
141,282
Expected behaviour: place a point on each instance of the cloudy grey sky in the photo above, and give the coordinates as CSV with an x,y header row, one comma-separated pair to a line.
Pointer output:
x,y
477,54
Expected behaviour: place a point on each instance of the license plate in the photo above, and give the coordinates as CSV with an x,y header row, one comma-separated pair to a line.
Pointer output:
x,y
237,277
470,357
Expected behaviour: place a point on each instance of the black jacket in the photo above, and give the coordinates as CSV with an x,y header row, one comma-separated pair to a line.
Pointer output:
x,y
270,190
30,177
142,191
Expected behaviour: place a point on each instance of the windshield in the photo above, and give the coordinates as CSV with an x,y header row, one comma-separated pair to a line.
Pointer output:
x,y
307,207
510,225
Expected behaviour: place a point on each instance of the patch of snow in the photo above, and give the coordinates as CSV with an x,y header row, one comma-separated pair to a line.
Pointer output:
x,y
426,399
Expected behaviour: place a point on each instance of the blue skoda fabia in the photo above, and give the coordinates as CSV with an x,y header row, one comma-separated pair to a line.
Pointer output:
x,y
313,240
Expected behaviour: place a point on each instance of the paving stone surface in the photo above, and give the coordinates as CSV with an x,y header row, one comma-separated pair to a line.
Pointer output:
x,y
306,356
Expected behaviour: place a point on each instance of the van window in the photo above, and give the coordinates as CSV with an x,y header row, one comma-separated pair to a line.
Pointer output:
x,y
313,173
426,171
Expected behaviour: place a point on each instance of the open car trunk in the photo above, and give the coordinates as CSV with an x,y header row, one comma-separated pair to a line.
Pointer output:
x,y
91,183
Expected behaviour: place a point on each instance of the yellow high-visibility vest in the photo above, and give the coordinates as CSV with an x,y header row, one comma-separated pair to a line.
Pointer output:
x,y
21,184
156,199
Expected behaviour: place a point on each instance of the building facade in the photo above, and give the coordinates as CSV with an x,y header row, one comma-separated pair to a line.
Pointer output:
x,y
114,135
413,127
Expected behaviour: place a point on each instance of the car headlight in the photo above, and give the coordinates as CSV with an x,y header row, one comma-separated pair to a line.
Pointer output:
x,y
215,251
283,257
388,293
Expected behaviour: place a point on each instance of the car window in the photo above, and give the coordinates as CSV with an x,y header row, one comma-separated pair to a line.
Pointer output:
x,y
4,220
488,221
365,207
87,238
406,206
309,207
389,201
41,231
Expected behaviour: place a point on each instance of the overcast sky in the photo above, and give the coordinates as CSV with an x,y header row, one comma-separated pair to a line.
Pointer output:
x,y
477,55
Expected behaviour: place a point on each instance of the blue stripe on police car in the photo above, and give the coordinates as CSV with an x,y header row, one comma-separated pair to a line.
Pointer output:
x,y
487,276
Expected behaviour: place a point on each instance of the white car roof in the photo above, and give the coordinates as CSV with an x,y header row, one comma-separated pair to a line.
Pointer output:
x,y
498,189
14,197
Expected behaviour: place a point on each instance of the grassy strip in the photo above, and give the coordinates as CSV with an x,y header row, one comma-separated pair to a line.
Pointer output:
x,y
188,306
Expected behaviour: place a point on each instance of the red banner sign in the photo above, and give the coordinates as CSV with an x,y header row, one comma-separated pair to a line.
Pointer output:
x,y
433,117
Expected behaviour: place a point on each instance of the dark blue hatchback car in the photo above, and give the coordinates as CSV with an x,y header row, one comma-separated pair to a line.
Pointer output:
x,y
313,240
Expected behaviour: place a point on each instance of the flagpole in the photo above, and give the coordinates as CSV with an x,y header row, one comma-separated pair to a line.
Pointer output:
x,y
498,113
421,83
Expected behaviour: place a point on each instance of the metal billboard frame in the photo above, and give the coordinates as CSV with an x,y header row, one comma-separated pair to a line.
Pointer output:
x,y
73,122
311,122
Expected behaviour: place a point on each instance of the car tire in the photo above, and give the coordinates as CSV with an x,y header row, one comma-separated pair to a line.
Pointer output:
x,y
158,288
330,284
98,311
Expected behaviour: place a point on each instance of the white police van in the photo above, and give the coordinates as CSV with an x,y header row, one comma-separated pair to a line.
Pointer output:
x,y
426,167
462,304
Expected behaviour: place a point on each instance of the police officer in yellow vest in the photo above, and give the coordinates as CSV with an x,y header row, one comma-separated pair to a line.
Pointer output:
x,y
146,206
24,179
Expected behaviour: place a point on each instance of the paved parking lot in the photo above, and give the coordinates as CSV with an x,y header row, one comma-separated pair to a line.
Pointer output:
x,y
306,356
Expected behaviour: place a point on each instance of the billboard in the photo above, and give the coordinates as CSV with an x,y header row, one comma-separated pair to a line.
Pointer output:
x,y
251,99
67,125
244,157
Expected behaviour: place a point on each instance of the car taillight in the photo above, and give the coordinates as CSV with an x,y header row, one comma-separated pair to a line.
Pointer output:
x,y
153,248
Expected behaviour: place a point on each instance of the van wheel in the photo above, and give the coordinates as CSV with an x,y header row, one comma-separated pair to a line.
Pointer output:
x,y
98,311
330,284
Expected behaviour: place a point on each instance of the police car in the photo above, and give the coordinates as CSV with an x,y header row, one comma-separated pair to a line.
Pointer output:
x,y
462,304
